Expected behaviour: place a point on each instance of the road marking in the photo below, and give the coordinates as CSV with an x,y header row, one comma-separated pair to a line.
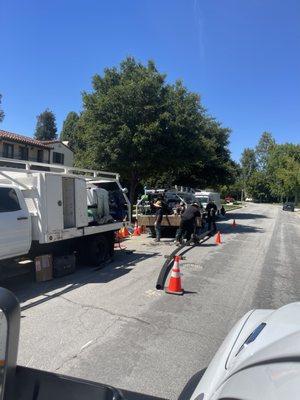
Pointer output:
x,y
86,345
152,293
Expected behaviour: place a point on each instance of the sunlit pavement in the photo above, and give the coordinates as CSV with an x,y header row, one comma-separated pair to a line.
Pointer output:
x,y
113,326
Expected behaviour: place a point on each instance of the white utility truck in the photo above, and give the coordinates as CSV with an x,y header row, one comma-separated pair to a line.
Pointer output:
x,y
206,195
58,210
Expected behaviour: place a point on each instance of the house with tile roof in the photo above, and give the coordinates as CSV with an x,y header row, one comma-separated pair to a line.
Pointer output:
x,y
19,147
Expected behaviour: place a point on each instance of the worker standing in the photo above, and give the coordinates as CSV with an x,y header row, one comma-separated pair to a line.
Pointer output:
x,y
188,222
158,219
211,210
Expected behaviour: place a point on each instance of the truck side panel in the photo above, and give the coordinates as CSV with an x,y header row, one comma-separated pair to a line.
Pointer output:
x,y
81,203
54,203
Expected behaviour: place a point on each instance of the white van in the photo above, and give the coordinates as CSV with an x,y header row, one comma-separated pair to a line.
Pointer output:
x,y
204,196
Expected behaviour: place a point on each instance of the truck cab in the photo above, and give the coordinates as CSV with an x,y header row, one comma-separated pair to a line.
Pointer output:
x,y
15,223
205,196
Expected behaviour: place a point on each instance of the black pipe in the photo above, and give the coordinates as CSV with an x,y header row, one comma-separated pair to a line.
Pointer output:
x,y
164,272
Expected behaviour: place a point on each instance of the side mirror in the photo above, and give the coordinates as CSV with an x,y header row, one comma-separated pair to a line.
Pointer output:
x,y
125,190
9,340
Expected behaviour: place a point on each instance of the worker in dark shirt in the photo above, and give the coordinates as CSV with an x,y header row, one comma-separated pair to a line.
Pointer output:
x,y
188,222
211,210
158,219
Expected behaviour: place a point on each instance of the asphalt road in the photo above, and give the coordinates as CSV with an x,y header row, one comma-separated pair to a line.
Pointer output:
x,y
113,326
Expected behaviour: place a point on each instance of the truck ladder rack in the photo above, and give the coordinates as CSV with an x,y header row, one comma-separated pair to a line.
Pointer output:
x,y
27,167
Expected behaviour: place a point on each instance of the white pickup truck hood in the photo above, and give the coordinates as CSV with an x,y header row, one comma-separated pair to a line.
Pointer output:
x,y
278,342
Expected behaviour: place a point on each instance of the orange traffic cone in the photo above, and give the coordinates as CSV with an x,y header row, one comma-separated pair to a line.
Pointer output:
x,y
136,231
140,230
218,238
125,232
234,224
175,280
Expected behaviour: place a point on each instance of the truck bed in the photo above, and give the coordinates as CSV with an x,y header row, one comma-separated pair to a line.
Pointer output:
x,y
168,220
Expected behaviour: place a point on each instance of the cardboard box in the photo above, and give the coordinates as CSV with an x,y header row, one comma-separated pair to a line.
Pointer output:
x,y
43,268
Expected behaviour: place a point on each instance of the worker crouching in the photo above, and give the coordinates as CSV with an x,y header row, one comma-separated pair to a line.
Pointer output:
x,y
188,223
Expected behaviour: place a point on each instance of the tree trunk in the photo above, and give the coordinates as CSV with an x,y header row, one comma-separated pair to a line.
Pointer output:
x,y
296,197
132,189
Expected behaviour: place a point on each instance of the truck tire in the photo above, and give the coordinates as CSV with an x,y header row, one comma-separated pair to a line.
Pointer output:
x,y
98,251
191,385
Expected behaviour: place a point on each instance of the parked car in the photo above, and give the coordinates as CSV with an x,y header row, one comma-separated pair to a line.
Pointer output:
x,y
258,360
229,199
288,206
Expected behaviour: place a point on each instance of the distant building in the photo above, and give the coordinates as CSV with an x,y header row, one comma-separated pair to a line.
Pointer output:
x,y
60,153
19,147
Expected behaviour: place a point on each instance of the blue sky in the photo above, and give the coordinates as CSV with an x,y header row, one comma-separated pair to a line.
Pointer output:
x,y
242,56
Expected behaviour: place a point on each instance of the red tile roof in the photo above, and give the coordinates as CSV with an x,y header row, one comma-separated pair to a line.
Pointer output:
x,y
51,141
13,137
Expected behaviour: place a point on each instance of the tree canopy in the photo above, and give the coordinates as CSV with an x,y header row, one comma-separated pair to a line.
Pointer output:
x,y
150,131
1,111
45,126
284,171
271,172
68,132
264,147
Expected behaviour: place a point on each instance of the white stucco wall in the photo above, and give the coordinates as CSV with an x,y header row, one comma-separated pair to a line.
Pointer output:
x,y
68,153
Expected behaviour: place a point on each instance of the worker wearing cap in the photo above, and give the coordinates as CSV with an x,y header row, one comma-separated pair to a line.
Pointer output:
x,y
158,219
188,222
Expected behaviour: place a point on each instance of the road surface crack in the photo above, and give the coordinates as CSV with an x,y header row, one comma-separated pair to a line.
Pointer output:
x,y
110,312
87,345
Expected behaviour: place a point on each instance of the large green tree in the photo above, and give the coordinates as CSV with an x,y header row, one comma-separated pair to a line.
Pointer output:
x,y
284,170
258,186
263,149
248,167
135,123
45,126
69,128
1,111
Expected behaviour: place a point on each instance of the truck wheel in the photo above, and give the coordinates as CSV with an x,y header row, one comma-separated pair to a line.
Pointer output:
x,y
98,251
190,387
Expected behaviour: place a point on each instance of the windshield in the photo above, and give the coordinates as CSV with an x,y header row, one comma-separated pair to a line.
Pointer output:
x,y
203,199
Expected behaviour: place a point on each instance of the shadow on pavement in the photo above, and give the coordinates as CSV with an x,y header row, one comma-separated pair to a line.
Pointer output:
x,y
25,288
226,228
237,216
